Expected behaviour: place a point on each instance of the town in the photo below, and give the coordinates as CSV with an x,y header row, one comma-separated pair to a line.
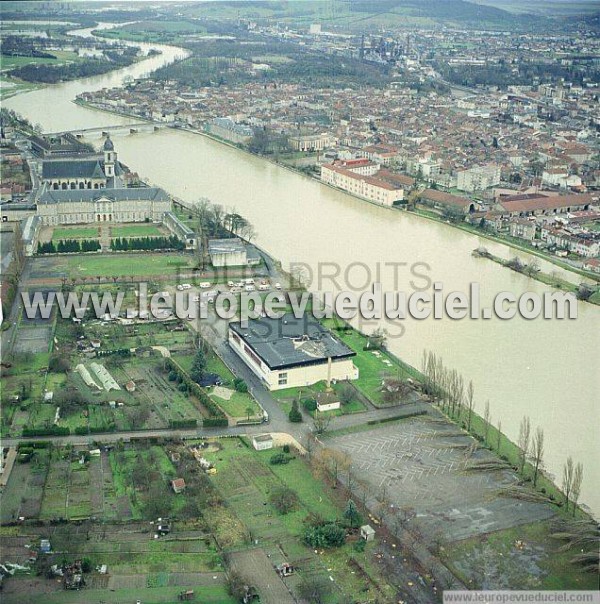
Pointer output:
x,y
148,457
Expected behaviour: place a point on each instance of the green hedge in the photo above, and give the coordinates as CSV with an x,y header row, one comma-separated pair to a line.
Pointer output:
x,y
214,410
53,431
35,444
215,422
176,424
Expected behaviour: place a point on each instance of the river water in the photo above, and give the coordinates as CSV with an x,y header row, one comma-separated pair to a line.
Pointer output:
x,y
546,369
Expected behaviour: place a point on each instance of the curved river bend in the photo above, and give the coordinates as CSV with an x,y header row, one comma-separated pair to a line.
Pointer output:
x,y
547,369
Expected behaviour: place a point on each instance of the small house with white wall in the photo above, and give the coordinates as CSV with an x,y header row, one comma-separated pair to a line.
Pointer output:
x,y
328,401
262,442
367,532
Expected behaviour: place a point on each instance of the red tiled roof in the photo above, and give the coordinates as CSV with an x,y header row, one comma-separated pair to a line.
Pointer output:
x,y
445,198
545,203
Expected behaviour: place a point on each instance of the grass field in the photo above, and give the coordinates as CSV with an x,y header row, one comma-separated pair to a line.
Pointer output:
x,y
137,230
127,265
75,233
287,395
62,56
372,367
240,402
153,31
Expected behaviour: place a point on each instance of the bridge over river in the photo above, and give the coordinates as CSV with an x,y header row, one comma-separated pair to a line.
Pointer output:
x,y
120,130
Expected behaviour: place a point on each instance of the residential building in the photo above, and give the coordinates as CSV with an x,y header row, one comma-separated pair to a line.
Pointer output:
x,y
523,229
227,129
478,178
356,179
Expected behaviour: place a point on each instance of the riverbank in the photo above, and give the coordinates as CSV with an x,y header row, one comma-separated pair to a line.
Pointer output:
x,y
534,273
422,213
487,435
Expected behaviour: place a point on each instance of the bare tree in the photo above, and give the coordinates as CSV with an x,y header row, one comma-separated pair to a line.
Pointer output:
x,y
470,403
499,436
523,442
576,488
567,481
321,422
487,420
537,453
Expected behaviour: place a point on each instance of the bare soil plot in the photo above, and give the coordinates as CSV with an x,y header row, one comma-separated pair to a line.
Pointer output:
x,y
258,568
420,466
22,495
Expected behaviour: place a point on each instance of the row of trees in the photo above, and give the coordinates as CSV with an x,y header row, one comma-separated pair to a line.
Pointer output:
x,y
68,246
146,243
457,400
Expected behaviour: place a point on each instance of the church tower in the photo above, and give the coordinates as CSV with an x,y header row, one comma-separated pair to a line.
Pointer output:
x,y
110,158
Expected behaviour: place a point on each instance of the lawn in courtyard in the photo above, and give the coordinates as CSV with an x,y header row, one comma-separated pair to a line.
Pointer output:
x,y
136,230
75,233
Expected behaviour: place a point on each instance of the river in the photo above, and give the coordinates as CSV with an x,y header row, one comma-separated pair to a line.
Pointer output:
x,y
546,369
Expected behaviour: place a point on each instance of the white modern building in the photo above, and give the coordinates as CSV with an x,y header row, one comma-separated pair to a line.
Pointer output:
x,y
290,352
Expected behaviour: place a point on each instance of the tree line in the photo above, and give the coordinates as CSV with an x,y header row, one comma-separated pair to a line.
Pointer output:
x,y
122,244
456,398
67,246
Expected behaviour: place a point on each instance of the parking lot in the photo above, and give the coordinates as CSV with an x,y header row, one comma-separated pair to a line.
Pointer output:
x,y
425,468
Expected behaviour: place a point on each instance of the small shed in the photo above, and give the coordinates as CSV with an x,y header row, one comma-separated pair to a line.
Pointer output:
x,y
262,442
130,386
178,485
328,401
367,532
45,546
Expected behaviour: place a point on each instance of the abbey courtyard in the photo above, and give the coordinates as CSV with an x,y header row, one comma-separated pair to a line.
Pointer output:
x,y
79,186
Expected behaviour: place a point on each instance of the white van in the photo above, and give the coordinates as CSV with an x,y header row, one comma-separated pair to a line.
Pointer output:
x,y
183,286
250,288
249,281
204,284
264,287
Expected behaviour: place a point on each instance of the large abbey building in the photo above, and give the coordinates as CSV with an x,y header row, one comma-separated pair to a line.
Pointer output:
x,y
80,190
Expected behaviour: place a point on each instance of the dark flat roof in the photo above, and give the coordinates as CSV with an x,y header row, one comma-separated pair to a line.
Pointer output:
x,y
290,342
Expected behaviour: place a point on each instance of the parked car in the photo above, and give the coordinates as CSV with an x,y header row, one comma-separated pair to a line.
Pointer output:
x,y
210,379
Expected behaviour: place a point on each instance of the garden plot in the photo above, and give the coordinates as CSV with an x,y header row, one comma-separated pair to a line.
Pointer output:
x,y
166,403
255,566
139,566
22,495
34,339
54,501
